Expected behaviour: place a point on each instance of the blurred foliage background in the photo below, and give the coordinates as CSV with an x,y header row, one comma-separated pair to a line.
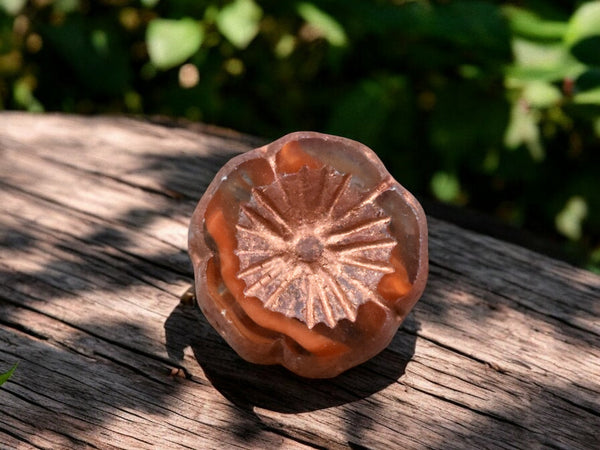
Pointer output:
x,y
492,105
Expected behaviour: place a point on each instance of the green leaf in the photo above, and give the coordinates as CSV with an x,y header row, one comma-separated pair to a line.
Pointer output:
x,y
66,6
23,96
587,88
568,221
590,79
6,375
594,262
590,97
531,26
584,22
239,22
329,28
149,3
536,61
12,7
445,186
541,94
285,46
583,33
523,129
172,41
468,25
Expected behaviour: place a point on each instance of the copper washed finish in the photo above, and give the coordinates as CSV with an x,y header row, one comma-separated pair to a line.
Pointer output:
x,y
308,253
319,260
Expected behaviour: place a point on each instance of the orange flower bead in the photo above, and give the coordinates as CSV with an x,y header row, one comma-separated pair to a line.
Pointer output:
x,y
307,253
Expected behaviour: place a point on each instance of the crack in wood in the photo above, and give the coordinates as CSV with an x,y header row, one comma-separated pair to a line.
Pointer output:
x,y
17,437
22,328
489,415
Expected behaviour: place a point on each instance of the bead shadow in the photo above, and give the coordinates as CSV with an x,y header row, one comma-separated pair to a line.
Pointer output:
x,y
273,387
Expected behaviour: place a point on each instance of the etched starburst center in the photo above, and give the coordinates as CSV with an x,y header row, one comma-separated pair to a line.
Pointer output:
x,y
316,258
309,249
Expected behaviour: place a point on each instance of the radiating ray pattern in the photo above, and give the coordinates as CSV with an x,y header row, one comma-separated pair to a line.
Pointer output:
x,y
314,247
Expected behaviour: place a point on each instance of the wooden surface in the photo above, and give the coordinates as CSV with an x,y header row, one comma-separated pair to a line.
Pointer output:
x,y
502,351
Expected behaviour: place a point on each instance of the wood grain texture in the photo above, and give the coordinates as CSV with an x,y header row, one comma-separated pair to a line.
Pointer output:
x,y
502,351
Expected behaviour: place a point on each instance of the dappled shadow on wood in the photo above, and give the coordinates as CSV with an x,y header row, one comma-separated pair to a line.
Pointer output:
x,y
491,278
548,416
14,238
84,383
83,299
274,387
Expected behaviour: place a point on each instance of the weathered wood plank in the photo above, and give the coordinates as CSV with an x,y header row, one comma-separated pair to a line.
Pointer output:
x,y
501,352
